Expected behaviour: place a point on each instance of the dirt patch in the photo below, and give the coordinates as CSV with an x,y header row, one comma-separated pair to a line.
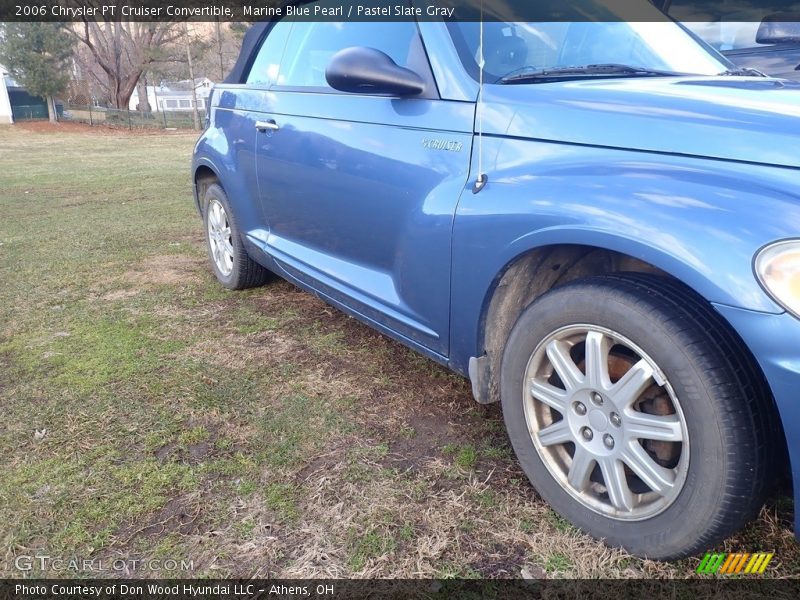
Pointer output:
x,y
502,561
310,309
423,442
46,127
390,361
164,270
326,462
192,454
117,295
240,351
179,514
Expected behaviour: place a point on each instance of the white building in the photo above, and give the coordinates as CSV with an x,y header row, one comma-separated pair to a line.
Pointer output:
x,y
5,101
175,96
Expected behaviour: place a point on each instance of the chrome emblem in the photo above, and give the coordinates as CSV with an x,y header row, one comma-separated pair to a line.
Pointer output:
x,y
445,145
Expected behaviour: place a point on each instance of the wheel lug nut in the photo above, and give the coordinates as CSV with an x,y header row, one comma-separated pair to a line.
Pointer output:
x,y
608,441
597,398
615,419
580,408
587,434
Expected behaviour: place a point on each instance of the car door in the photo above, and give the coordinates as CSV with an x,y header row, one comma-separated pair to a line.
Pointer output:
x,y
359,191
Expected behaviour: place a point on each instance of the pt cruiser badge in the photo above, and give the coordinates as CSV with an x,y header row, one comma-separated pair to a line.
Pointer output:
x,y
446,145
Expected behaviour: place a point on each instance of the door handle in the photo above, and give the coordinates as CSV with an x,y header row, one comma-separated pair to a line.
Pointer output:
x,y
267,125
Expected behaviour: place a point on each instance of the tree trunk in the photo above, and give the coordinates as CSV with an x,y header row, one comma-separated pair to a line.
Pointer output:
x,y
141,90
219,54
51,109
121,89
195,112
124,89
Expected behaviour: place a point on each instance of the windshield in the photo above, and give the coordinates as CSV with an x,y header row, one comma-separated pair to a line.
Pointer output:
x,y
511,48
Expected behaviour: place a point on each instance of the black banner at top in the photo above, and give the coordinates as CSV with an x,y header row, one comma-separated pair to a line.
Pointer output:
x,y
394,10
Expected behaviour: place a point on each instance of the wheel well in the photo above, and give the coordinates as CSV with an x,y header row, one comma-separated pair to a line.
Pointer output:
x,y
535,273
204,177
532,275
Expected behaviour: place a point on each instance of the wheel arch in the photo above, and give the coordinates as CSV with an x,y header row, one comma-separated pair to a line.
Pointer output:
x,y
203,177
535,271
528,276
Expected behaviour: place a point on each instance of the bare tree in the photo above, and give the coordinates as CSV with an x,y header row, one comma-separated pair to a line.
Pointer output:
x,y
124,50
94,77
195,112
220,51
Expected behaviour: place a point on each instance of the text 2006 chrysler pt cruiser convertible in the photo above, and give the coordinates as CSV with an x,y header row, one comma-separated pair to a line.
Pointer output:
x,y
617,261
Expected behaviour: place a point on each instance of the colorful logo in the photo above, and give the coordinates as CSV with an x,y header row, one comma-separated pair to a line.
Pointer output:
x,y
722,563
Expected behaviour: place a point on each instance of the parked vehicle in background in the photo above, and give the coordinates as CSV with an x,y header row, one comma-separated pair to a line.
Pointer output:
x,y
607,242
754,39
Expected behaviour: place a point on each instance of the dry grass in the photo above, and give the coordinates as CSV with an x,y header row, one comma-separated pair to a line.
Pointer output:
x,y
258,433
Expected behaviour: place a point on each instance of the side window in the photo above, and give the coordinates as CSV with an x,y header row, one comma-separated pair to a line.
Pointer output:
x,y
264,71
311,46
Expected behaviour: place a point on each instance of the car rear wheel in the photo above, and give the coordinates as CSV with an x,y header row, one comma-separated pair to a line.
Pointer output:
x,y
627,403
229,260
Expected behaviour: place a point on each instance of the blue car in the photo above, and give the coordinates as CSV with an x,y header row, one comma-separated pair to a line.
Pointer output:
x,y
604,236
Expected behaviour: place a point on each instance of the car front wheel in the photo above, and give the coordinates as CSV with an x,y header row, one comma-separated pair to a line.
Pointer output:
x,y
629,406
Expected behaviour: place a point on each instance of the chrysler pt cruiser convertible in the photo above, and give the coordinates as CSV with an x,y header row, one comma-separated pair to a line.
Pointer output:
x,y
604,237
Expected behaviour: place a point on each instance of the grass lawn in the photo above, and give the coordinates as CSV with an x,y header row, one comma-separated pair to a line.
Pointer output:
x,y
147,414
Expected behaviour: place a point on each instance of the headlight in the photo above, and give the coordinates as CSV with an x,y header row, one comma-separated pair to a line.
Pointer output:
x,y
778,269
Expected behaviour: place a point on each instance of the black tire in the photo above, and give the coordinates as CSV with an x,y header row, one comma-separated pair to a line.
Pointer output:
x,y
728,412
244,272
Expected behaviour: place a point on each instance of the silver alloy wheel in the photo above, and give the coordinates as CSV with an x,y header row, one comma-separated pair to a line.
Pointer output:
x,y
606,422
219,237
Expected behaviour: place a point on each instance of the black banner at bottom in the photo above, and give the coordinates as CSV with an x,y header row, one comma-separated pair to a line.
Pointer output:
x,y
339,589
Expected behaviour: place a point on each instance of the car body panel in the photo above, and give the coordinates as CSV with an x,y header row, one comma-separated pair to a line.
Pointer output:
x,y
692,218
359,195
749,119
227,147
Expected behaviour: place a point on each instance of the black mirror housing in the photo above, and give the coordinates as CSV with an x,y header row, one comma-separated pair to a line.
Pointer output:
x,y
361,70
779,28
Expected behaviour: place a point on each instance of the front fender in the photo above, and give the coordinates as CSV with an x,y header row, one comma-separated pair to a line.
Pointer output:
x,y
699,220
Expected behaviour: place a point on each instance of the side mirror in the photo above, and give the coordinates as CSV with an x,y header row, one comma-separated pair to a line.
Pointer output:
x,y
369,71
779,28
